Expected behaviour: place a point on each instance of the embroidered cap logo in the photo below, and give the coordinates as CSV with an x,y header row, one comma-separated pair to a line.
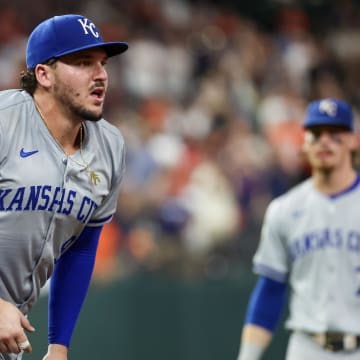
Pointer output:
x,y
88,25
328,107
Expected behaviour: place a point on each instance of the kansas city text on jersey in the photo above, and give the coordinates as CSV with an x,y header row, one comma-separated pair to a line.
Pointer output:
x,y
323,239
47,198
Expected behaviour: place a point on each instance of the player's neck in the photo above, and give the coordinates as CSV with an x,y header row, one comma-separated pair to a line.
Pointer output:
x,y
333,182
62,129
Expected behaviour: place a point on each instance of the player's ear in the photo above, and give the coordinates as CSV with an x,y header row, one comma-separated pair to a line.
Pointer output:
x,y
354,141
43,75
306,141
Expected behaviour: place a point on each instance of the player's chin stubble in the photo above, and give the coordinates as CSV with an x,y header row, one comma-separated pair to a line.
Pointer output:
x,y
67,97
85,114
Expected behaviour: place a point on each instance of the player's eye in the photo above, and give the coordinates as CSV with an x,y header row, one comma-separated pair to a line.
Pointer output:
x,y
84,62
316,134
336,137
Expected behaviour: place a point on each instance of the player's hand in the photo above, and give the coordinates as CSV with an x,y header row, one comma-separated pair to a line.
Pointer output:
x,y
12,325
56,352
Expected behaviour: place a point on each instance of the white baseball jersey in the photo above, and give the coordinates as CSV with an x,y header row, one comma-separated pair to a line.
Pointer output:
x,y
46,198
313,241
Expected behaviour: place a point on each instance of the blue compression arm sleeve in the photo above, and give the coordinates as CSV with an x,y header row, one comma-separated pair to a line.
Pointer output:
x,y
69,285
266,303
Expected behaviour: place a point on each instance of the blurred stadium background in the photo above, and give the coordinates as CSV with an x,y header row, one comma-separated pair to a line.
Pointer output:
x,y
210,98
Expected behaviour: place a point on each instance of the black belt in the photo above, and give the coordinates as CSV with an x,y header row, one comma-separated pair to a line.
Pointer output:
x,y
333,341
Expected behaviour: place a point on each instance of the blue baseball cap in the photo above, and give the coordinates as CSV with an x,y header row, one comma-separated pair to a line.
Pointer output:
x,y
66,34
329,112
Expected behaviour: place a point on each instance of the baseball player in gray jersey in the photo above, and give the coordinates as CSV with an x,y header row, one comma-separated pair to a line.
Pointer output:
x,y
310,243
61,165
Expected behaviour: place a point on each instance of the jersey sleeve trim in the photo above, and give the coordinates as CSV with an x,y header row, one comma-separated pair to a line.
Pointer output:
x,y
271,273
100,221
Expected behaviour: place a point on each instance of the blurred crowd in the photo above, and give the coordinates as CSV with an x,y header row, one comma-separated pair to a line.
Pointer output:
x,y
211,104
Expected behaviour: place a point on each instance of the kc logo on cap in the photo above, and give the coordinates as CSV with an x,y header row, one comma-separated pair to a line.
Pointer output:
x,y
328,107
66,34
88,25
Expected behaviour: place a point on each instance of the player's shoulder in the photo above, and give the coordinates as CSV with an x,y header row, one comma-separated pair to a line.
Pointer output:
x,y
106,140
299,191
293,197
108,128
107,131
12,98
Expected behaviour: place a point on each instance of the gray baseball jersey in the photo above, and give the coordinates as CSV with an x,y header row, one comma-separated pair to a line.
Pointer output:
x,y
47,198
313,241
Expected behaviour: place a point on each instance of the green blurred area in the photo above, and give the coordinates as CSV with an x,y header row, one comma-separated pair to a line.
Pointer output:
x,y
158,317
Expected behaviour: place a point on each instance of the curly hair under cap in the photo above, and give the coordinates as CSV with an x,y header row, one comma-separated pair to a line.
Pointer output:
x,y
28,81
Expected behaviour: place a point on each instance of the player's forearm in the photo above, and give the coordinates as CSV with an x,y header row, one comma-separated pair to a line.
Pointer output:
x,y
72,275
262,316
254,341
56,352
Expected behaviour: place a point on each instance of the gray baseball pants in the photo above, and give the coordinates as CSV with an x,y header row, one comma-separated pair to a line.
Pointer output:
x,y
11,356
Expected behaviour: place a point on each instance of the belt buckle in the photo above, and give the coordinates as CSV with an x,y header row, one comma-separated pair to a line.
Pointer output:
x,y
321,338
334,341
349,342
329,346
331,341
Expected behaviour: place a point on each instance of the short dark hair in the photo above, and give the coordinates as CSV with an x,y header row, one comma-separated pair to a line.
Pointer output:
x,y
28,81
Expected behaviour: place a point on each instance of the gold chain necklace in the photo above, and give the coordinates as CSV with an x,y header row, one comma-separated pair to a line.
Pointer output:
x,y
94,177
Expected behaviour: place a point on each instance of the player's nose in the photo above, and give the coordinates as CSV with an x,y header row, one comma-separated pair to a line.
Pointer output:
x,y
324,134
100,72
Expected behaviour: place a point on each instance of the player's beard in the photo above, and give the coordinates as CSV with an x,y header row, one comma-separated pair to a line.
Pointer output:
x,y
66,96
82,112
327,168
326,171
323,167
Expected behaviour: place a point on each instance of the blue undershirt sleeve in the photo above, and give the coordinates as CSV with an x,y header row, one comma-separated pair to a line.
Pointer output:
x,y
266,303
69,285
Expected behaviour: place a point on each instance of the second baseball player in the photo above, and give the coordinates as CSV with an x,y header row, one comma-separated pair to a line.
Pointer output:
x,y
310,243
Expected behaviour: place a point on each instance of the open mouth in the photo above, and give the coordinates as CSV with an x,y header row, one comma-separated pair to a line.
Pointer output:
x,y
98,94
